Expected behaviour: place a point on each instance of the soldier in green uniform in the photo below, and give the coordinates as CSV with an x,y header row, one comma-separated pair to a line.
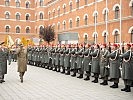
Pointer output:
x,y
87,61
79,61
57,58
104,63
114,60
127,69
73,59
67,59
95,67
51,48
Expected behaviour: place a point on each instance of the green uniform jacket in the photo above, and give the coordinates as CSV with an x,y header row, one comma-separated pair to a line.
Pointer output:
x,y
73,58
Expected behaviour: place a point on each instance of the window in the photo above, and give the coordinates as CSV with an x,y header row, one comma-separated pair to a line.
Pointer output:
x,y
95,38
58,11
58,26
41,2
105,15
7,15
77,3
116,37
117,12
17,30
49,15
27,30
17,3
95,18
86,2
85,39
27,5
41,28
132,9
41,15
7,29
64,8
7,3
54,13
27,17
70,23
17,16
64,25
71,6
132,36
105,37
77,22
86,20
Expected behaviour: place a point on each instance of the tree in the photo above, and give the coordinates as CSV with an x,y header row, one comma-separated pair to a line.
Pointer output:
x,y
48,34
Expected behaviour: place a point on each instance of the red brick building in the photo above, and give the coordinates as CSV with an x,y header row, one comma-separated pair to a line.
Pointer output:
x,y
80,21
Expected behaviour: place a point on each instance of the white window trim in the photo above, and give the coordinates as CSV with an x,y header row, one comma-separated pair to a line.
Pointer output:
x,y
77,18
70,2
105,9
18,13
130,4
17,26
85,15
8,25
7,12
113,33
116,6
95,13
130,29
70,19
85,34
28,14
105,32
27,27
94,34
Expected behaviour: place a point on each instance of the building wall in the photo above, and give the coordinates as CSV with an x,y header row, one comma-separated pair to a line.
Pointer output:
x,y
49,6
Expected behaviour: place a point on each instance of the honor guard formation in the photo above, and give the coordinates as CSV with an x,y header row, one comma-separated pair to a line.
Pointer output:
x,y
101,61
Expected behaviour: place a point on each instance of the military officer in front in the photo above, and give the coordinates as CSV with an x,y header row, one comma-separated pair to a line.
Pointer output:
x,y
22,61
127,68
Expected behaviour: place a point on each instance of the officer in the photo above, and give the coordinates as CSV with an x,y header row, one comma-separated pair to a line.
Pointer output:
x,y
114,60
127,69
104,63
87,61
95,67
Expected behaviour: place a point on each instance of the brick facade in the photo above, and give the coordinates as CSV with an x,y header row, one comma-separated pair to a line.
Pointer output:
x,y
87,18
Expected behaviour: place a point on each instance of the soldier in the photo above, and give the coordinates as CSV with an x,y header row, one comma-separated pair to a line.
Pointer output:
x,y
87,61
127,69
3,63
114,65
104,62
57,58
73,60
79,61
67,59
53,58
95,67
46,57
62,58
51,48
22,61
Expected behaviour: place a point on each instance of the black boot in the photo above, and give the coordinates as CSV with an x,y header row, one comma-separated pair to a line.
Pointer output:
x,y
115,85
95,80
58,70
68,73
80,76
87,78
74,74
63,71
128,89
104,83
132,84
124,89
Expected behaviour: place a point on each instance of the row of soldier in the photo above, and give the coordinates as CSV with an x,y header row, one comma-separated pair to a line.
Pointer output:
x,y
101,60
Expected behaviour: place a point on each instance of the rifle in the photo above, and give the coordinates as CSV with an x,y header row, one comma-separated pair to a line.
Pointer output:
x,y
109,47
77,47
123,47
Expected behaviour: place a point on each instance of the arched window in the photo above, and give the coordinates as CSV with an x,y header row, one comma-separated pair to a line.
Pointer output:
x,y
17,3
85,38
70,6
132,36
27,30
41,2
95,18
86,2
116,37
27,17
64,8
105,37
58,11
70,23
17,16
64,25
7,15
86,20
7,29
17,29
7,3
41,15
95,38
77,22
27,4
117,11
77,3
105,15
41,28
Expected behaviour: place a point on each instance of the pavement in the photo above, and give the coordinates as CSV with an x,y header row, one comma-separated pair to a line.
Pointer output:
x,y
43,84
